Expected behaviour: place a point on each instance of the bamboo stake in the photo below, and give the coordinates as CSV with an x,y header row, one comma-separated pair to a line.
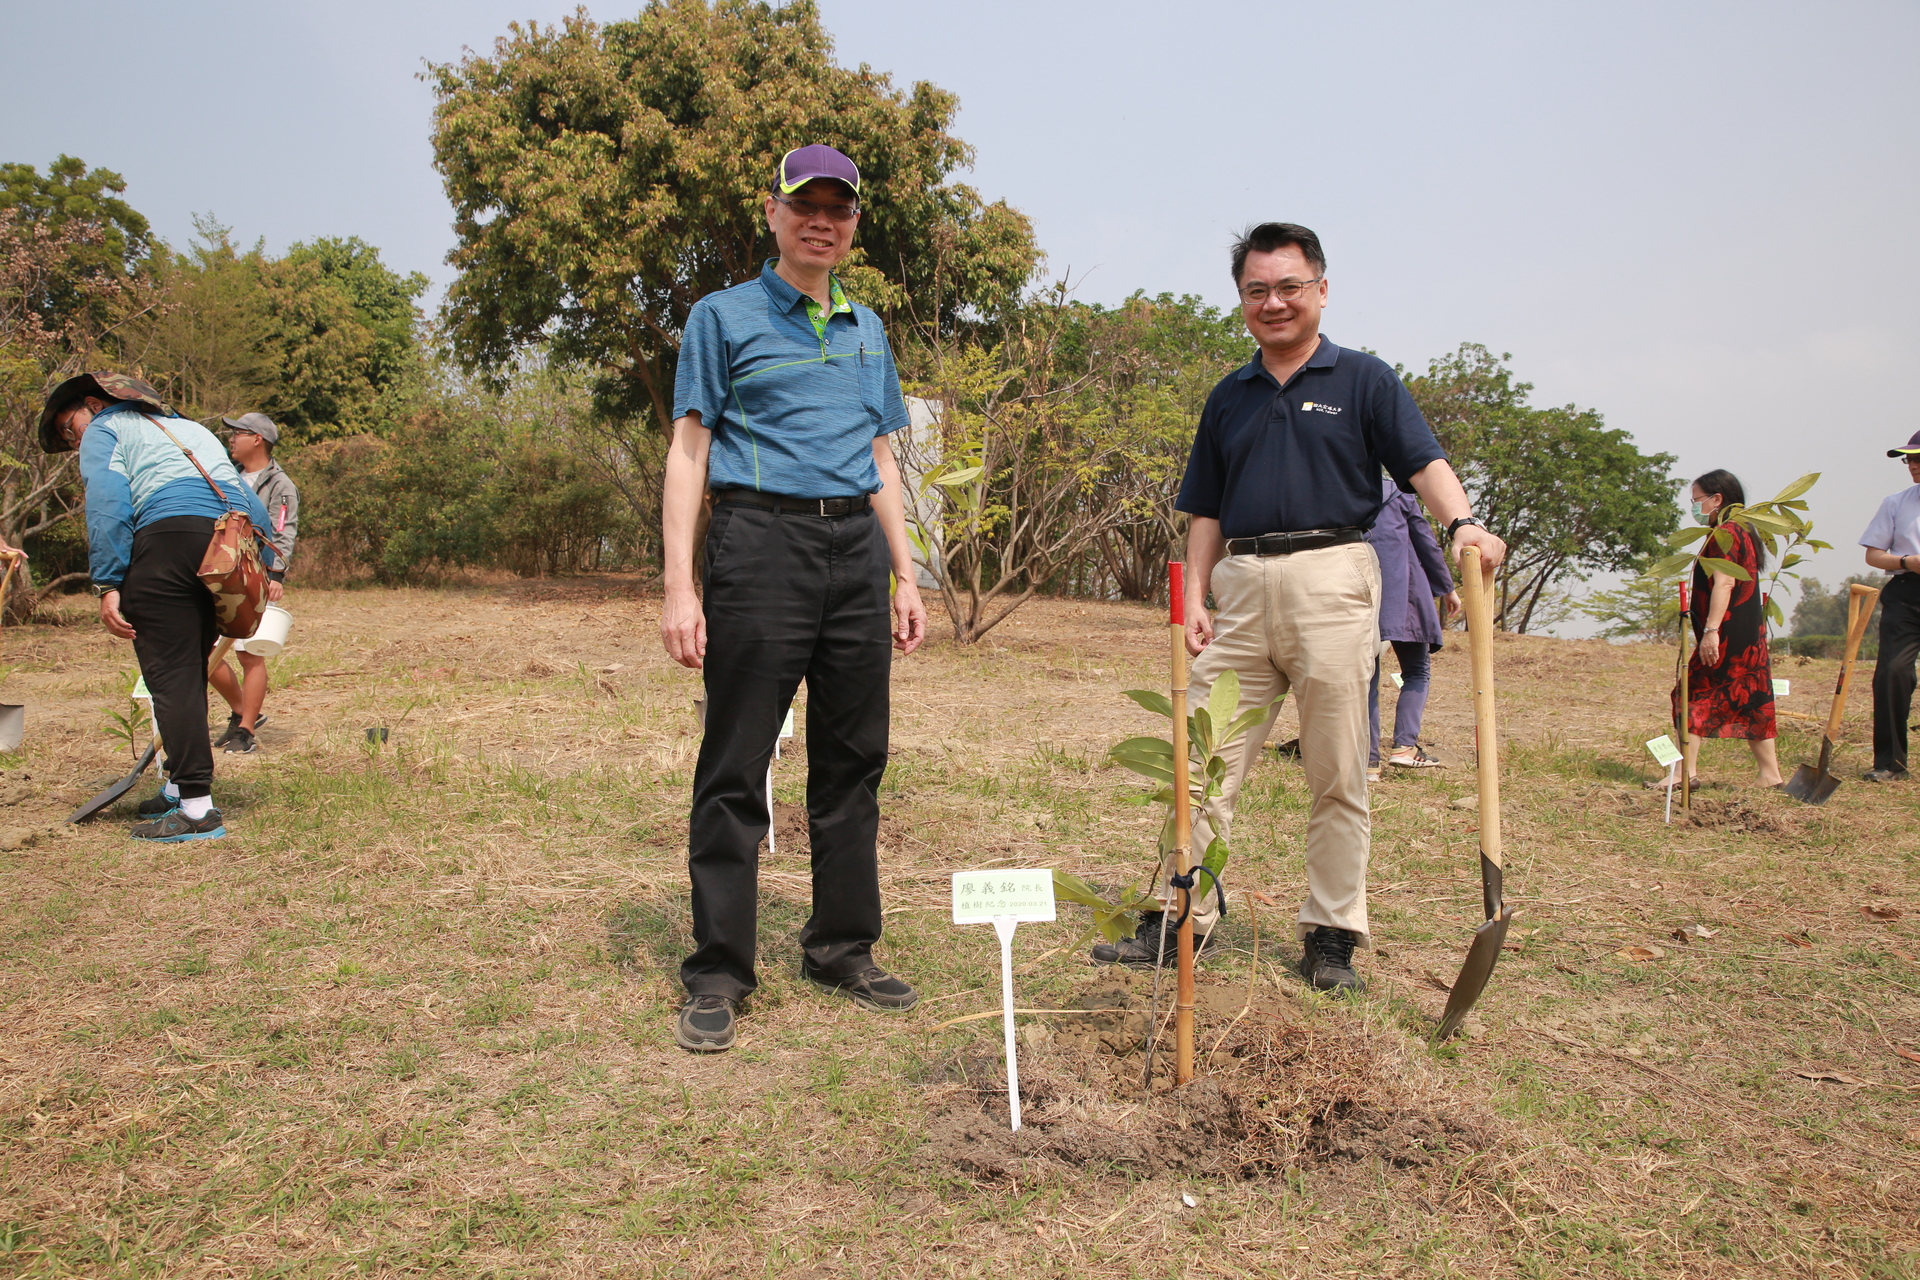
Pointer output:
x,y
1182,826
1686,709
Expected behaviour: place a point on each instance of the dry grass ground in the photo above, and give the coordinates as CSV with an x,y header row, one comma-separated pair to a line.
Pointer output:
x,y
413,1015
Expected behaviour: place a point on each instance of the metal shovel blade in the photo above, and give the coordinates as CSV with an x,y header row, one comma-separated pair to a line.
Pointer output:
x,y
118,789
1812,784
13,725
1481,957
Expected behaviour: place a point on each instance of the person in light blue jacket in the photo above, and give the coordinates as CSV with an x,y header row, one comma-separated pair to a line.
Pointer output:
x,y
150,514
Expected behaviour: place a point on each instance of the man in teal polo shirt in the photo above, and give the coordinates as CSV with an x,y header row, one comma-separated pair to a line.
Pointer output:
x,y
785,396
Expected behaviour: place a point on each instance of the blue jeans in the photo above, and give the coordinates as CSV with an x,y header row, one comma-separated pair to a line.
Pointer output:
x,y
1416,668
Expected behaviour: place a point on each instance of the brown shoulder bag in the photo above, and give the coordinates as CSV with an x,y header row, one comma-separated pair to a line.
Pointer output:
x,y
231,569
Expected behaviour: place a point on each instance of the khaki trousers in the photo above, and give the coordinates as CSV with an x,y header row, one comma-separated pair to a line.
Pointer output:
x,y
1309,624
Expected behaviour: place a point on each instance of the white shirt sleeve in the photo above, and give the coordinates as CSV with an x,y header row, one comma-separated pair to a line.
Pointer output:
x,y
1896,526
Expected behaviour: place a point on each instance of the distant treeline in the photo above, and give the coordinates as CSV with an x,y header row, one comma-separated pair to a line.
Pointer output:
x,y
523,427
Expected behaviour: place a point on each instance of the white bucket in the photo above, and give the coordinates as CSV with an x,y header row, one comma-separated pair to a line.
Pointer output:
x,y
270,637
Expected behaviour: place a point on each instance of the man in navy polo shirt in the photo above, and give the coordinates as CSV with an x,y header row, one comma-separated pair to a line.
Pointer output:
x,y
783,402
1283,484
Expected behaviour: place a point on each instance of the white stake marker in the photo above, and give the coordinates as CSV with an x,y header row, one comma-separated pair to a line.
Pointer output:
x,y
1004,899
1664,752
786,731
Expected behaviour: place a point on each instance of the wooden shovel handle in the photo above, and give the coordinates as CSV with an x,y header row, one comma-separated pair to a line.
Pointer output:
x,y
1860,602
1477,586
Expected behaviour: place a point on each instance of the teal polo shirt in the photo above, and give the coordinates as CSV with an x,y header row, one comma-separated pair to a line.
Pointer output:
x,y
794,393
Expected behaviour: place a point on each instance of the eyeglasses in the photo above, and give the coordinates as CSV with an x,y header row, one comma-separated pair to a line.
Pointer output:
x,y
1259,291
808,209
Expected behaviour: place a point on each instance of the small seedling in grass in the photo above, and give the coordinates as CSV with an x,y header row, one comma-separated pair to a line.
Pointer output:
x,y
1211,731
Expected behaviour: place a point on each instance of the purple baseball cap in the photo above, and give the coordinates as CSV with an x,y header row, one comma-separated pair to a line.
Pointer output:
x,y
803,164
1912,447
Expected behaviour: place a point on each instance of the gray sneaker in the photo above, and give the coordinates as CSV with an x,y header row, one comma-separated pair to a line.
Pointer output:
x,y
157,806
1328,962
705,1025
873,988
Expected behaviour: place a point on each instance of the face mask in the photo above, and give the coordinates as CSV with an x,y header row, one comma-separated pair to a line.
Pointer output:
x,y
1699,516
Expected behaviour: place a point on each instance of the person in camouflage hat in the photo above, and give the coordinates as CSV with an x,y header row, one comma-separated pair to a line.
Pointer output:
x,y
150,514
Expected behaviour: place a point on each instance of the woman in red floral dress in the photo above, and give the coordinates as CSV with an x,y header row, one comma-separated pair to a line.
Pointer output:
x,y
1729,681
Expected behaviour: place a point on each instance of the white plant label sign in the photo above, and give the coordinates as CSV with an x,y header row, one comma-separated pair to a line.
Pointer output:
x,y
1005,899
1665,754
981,897
1781,688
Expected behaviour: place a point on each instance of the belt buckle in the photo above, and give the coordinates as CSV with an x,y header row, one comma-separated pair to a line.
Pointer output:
x,y
823,507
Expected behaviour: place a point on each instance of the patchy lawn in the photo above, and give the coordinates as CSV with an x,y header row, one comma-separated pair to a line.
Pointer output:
x,y
413,1014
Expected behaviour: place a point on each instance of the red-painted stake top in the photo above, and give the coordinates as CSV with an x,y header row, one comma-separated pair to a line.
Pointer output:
x,y
1176,593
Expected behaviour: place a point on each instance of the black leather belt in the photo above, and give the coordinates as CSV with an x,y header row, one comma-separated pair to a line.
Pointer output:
x,y
802,506
1285,544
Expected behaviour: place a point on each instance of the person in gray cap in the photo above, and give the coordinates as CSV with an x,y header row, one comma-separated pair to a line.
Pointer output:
x,y
251,447
1893,544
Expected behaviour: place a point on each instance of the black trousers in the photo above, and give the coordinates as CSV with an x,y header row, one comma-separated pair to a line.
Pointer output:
x,y
171,612
1893,675
790,597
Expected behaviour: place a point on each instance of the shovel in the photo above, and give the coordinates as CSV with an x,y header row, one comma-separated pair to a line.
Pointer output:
x,y
1814,783
118,789
1487,939
106,798
13,716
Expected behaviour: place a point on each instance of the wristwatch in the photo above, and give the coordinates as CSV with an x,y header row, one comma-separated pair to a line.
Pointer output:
x,y
101,588
1455,526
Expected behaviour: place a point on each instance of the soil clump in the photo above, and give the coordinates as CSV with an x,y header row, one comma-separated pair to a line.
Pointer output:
x,y
1277,1089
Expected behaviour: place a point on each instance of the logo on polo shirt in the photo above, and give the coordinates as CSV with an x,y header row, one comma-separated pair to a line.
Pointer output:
x,y
1314,406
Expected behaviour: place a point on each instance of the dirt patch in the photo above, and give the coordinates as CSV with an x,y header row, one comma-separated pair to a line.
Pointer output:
x,y
1276,1092
1727,813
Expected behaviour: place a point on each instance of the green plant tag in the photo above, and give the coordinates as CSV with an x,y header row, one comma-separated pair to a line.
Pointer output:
x,y
140,689
1398,683
1781,688
980,897
1663,750
786,726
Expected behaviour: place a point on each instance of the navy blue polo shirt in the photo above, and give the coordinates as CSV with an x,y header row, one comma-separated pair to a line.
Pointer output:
x,y
1274,459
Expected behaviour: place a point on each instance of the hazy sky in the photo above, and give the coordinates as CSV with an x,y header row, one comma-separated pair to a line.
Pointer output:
x,y
1694,218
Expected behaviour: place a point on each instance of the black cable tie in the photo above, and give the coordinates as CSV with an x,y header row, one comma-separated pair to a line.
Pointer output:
x,y
1185,884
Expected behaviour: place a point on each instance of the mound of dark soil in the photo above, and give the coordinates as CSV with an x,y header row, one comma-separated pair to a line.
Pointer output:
x,y
1280,1092
1732,813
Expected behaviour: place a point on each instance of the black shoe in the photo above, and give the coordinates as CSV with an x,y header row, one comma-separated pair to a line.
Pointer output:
x,y
1328,962
177,826
157,806
241,742
705,1025
1139,951
872,987
1884,775
226,736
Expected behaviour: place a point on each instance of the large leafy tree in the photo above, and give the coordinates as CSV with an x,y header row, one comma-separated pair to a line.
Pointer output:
x,y
605,178
315,340
1154,361
69,192
383,301
1570,495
